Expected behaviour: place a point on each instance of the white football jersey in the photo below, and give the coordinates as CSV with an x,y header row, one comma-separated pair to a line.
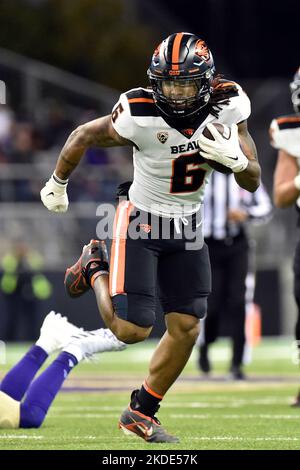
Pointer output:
x,y
285,134
169,173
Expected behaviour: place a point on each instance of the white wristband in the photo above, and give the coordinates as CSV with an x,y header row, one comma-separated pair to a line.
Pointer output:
x,y
59,180
297,181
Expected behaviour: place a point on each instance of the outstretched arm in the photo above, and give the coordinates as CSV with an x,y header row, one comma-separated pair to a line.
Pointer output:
x,y
97,133
248,179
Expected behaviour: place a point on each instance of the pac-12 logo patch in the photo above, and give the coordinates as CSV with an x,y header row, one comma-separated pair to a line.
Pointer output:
x,y
162,137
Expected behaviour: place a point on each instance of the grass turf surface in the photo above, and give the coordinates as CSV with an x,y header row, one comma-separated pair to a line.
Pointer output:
x,y
204,414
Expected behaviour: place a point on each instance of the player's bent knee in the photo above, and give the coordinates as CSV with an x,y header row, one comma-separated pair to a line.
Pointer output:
x,y
183,327
9,412
137,309
131,333
190,329
194,332
135,317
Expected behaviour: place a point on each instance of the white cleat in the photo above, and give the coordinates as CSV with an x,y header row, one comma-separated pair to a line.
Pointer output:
x,y
87,343
56,332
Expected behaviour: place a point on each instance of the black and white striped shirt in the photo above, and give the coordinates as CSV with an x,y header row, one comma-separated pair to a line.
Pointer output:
x,y
222,193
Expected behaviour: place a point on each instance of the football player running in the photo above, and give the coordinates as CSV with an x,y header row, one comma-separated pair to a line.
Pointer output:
x,y
164,126
285,136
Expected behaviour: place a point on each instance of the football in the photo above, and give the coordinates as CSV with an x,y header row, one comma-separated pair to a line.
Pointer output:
x,y
225,132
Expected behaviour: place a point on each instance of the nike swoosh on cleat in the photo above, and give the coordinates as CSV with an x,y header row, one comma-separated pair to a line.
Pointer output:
x,y
233,158
50,194
147,432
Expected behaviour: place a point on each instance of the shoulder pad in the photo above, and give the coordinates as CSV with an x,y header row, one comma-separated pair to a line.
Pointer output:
x,y
285,134
291,121
228,87
141,102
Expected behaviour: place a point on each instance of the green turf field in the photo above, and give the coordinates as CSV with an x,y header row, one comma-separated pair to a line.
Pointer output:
x,y
205,414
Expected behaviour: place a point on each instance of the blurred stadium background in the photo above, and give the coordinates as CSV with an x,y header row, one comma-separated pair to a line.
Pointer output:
x,y
65,63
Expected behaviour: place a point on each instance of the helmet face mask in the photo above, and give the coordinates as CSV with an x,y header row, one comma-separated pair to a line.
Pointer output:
x,y
181,73
295,91
180,97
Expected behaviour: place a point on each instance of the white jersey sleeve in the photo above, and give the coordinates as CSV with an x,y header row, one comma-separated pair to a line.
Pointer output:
x,y
285,134
238,109
122,120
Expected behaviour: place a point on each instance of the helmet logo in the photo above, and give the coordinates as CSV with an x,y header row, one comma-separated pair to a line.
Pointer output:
x,y
162,137
201,50
174,72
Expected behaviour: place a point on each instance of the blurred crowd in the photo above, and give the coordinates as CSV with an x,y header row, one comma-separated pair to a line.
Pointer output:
x,y
29,145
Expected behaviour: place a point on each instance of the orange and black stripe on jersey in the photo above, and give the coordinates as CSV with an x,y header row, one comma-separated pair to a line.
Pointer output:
x,y
141,103
288,122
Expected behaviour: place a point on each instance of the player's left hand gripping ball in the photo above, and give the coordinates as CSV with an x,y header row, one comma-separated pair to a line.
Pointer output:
x,y
92,263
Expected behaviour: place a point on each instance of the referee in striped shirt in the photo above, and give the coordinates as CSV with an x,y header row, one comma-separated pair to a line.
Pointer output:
x,y
227,209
